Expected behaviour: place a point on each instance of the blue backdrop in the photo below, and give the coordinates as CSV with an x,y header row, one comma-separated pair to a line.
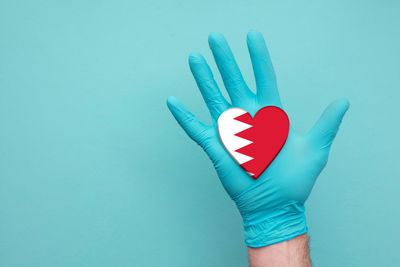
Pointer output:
x,y
94,171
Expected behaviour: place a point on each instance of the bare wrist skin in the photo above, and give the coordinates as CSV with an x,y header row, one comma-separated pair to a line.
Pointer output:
x,y
290,253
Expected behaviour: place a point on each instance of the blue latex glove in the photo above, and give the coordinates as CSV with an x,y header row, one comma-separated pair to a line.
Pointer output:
x,y
272,206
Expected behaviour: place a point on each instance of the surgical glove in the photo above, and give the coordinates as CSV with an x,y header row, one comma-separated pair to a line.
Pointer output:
x,y
272,206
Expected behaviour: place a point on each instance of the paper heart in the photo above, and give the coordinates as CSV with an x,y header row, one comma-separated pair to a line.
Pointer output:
x,y
253,142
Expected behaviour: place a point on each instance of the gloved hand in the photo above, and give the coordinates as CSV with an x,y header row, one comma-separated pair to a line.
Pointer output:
x,y
272,206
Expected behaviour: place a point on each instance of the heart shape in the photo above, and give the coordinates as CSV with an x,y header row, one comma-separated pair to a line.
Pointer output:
x,y
253,142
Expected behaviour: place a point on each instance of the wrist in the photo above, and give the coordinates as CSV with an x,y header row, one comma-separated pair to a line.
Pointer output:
x,y
269,214
278,226
293,252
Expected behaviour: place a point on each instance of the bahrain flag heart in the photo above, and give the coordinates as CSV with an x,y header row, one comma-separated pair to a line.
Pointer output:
x,y
253,142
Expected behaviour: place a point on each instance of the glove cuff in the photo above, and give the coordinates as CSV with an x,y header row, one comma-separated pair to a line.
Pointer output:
x,y
285,224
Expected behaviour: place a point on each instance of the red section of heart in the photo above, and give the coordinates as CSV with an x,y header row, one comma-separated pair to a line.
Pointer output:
x,y
268,134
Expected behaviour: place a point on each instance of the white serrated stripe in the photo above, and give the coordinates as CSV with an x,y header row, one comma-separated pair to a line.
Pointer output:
x,y
227,128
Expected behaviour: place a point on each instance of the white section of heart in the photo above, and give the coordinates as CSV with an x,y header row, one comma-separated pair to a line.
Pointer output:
x,y
227,127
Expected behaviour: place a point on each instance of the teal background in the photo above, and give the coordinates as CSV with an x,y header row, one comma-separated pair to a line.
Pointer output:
x,y
94,171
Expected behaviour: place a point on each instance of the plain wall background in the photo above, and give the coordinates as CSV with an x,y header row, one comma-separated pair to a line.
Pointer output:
x,y
94,171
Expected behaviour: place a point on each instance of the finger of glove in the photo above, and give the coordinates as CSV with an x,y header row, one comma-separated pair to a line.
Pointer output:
x,y
231,75
216,103
195,129
267,91
325,129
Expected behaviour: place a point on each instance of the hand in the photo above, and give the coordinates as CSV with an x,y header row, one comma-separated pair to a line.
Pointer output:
x,y
272,206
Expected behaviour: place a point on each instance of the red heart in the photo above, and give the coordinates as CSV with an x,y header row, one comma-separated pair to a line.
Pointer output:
x,y
253,142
